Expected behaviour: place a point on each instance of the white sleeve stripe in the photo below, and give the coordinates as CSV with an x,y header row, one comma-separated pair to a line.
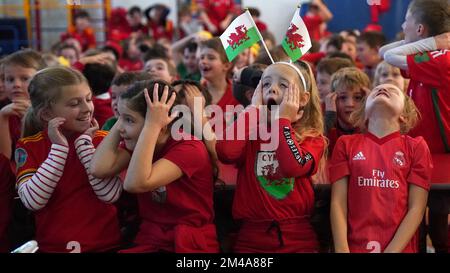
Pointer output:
x,y
38,193
107,189
60,149
25,199
58,153
49,170
101,185
32,198
83,148
50,163
96,181
58,156
86,156
50,182
60,161
46,183
38,185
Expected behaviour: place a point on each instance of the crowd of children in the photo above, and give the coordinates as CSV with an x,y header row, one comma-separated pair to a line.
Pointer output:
x,y
92,158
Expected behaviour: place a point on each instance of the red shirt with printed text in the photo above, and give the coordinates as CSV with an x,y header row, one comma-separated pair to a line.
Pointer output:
x,y
380,171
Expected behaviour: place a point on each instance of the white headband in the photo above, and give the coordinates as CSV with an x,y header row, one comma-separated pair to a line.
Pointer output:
x,y
298,72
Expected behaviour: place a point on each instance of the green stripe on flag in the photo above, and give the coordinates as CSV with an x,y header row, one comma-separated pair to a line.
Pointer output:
x,y
253,38
293,54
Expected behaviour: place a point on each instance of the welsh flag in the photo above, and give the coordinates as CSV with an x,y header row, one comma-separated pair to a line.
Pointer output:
x,y
296,42
240,34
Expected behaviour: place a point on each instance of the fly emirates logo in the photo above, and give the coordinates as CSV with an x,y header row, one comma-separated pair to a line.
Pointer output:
x,y
378,180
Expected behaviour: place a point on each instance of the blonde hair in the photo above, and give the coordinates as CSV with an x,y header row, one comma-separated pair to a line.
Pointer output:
x,y
45,88
410,114
378,71
311,124
349,77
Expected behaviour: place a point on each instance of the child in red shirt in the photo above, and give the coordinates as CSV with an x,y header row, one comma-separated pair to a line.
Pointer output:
x,y
381,178
424,57
53,176
82,30
274,194
173,178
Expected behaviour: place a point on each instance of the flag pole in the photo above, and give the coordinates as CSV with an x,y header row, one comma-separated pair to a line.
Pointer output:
x,y
299,9
260,36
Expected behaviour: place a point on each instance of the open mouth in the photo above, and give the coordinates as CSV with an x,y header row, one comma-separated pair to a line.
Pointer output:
x,y
382,93
270,103
206,69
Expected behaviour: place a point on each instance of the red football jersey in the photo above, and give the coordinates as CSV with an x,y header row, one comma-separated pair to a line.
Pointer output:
x,y
312,23
181,205
74,219
379,173
102,109
430,89
272,184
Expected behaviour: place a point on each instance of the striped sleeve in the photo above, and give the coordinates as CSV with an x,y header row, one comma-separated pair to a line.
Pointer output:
x,y
36,188
106,189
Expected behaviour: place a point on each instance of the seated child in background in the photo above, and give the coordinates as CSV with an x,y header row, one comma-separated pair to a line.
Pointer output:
x,y
119,85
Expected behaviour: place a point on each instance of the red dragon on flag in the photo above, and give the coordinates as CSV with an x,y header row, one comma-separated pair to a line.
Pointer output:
x,y
237,38
294,39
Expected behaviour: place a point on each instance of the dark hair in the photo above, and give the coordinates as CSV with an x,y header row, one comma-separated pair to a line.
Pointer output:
x,y
128,78
254,12
156,52
342,55
99,77
27,58
134,9
372,38
81,13
45,88
183,83
331,65
336,41
135,94
191,47
216,45
434,14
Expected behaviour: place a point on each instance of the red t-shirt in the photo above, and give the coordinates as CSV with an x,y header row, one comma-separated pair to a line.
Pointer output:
x,y
379,173
430,89
73,212
102,110
7,179
272,184
217,10
312,23
86,37
187,201
227,172
158,31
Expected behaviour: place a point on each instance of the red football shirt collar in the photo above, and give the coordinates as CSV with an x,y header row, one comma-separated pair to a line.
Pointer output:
x,y
384,139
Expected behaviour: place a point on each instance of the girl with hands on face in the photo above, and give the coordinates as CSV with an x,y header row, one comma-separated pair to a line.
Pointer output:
x,y
274,194
171,174
53,176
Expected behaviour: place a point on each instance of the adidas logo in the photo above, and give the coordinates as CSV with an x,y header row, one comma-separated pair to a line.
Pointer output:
x,y
359,156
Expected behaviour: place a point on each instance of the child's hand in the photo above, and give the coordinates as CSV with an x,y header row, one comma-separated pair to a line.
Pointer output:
x,y
158,110
102,58
257,98
330,102
290,105
94,128
16,108
54,133
443,41
192,92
